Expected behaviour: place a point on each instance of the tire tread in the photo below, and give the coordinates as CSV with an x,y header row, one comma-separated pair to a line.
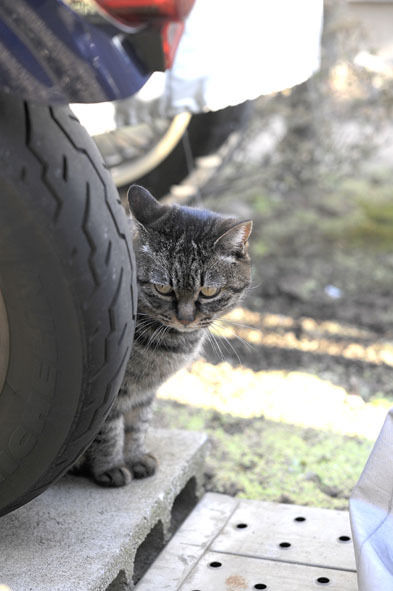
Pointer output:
x,y
96,251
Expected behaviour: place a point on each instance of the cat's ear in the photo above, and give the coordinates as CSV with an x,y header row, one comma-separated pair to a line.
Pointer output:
x,y
144,207
235,239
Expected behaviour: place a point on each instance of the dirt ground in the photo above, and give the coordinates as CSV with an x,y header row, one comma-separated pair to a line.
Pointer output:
x,y
295,385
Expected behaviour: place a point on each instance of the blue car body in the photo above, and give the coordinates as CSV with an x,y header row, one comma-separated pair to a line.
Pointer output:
x,y
51,54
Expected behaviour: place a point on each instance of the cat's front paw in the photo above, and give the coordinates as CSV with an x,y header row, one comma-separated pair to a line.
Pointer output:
x,y
116,476
143,466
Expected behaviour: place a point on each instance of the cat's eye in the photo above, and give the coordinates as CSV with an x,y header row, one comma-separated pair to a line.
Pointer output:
x,y
209,292
163,289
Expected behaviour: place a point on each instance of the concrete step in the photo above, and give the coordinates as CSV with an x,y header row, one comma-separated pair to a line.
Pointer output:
x,y
240,545
80,537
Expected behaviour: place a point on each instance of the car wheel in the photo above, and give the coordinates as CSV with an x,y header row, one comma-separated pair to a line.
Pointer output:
x,y
67,295
162,152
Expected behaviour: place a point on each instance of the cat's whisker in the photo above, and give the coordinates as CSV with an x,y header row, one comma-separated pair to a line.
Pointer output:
x,y
252,286
145,318
216,344
148,346
209,339
160,335
234,323
141,317
213,344
152,337
246,343
234,335
145,330
227,343
145,324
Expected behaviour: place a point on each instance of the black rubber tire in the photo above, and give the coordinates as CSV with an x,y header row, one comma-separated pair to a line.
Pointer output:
x,y
67,278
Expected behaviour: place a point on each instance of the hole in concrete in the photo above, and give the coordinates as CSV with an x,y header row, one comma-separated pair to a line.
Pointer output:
x,y
241,525
344,539
260,586
119,583
183,504
215,564
323,580
300,519
148,551
284,544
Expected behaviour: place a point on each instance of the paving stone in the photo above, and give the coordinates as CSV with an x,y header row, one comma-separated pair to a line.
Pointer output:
x,y
290,533
229,572
241,545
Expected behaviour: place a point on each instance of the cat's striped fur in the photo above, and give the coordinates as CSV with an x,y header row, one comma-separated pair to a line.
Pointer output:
x,y
189,252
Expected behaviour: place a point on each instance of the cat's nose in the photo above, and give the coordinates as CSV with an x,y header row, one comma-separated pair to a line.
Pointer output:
x,y
185,317
184,321
185,312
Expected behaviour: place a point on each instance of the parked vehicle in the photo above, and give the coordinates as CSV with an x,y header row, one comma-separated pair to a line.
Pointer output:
x,y
67,271
229,53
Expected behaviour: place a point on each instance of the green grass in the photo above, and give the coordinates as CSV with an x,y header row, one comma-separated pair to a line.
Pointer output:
x,y
367,218
259,459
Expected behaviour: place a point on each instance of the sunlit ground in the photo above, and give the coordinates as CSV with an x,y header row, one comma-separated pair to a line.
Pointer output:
x,y
289,436
293,397
296,398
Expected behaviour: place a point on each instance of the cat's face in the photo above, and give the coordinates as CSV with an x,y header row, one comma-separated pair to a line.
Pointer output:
x,y
193,264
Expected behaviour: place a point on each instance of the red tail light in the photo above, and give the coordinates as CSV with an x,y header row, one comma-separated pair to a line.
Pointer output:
x,y
166,16
171,33
134,12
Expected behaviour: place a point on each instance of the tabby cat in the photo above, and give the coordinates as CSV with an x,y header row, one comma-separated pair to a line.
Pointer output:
x,y
192,266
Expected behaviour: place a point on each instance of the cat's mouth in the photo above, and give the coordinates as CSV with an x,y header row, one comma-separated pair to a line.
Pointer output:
x,y
177,325
181,327
185,328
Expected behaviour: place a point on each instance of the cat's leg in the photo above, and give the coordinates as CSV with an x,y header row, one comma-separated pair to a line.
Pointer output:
x,y
136,422
105,457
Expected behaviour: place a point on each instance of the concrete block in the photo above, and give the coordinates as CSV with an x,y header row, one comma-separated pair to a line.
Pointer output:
x,y
80,537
